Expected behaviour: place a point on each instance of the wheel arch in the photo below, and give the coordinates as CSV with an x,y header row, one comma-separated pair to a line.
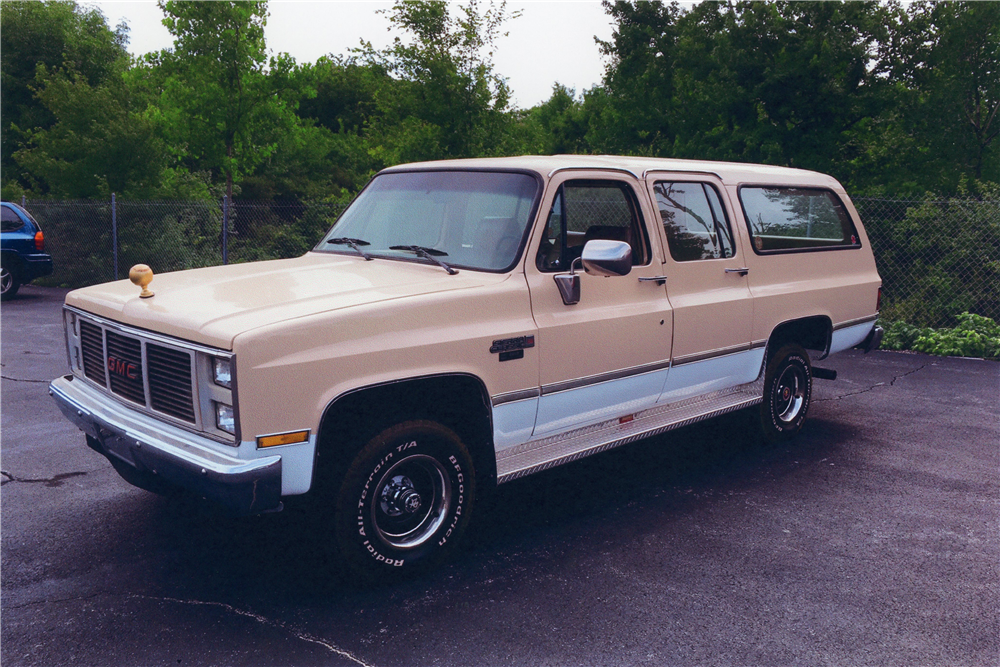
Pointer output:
x,y
12,260
813,333
459,401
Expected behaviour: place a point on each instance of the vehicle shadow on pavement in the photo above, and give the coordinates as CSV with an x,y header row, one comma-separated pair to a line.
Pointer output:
x,y
288,557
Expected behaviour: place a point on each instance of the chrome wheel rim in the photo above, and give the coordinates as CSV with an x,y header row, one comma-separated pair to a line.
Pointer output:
x,y
790,394
6,280
410,502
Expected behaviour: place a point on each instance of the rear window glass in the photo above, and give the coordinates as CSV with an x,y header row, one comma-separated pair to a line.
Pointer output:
x,y
784,219
694,221
10,222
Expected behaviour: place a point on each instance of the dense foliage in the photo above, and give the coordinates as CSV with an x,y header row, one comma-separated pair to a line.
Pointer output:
x,y
888,98
974,336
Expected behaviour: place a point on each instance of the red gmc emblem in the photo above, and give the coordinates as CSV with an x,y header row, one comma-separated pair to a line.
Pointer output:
x,y
123,368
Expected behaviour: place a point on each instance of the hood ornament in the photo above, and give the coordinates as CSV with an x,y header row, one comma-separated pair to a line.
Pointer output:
x,y
141,275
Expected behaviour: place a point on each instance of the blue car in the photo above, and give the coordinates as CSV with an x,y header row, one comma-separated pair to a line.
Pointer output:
x,y
22,250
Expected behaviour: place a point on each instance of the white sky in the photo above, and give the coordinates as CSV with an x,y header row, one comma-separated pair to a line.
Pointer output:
x,y
552,41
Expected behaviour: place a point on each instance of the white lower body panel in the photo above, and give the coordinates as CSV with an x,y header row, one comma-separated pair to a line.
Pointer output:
x,y
710,375
561,411
547,452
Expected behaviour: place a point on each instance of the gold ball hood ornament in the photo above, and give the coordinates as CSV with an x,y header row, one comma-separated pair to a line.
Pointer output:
x,y
141,275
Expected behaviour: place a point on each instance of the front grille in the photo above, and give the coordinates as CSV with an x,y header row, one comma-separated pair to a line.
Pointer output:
x,y
164,372
91,338
170,381
125,367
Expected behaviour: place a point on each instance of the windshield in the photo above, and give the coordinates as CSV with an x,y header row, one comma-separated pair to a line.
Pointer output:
x,y
476,219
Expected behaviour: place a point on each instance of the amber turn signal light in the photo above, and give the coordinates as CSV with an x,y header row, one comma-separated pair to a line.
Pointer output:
x,y
282,439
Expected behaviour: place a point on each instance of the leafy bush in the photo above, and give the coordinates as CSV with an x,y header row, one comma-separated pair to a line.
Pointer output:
x,y
901,336
975,336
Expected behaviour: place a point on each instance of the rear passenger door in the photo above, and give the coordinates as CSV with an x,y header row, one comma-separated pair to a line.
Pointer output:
x,y
707,285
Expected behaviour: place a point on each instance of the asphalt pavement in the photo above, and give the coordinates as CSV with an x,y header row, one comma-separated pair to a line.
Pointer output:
x,y
872,539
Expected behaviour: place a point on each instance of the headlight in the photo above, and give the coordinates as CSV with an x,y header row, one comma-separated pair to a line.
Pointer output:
x,y
225,418
222,373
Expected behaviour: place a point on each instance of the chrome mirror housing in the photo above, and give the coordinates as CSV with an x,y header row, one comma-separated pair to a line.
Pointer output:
x,y
607,258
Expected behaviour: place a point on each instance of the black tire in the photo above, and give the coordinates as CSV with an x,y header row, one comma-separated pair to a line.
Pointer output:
x,y
10,282
405,501
787,393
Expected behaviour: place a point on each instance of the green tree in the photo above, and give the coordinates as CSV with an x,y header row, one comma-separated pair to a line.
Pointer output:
x,y
223,106
946,65
562,124
782,83
57,35
97,145
446,99
637,102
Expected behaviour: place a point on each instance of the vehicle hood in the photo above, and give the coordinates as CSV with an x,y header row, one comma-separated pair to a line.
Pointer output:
x,y
213,305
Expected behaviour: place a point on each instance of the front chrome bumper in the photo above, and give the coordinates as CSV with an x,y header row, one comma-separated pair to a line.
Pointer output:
x,y
173,454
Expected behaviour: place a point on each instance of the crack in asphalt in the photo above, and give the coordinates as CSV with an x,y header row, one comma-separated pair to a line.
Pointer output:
x,y
298,634
873,387
50,482
7,377
76,598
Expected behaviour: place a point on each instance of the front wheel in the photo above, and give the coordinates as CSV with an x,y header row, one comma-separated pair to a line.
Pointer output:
x,y
787,392
405,500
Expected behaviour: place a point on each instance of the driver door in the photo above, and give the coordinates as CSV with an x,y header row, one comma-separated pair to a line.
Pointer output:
x,y
606,356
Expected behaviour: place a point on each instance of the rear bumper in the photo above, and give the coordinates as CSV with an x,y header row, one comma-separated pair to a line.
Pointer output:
x,y
177,456
36,266
872,341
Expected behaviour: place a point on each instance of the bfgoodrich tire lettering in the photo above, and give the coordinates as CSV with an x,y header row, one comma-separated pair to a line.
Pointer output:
x,y
406,499
787,393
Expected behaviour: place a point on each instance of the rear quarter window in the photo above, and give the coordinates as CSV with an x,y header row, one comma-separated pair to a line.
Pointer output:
x,y
10,221
789,219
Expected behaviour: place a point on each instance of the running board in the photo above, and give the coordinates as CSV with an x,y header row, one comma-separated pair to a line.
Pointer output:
x,y
544,453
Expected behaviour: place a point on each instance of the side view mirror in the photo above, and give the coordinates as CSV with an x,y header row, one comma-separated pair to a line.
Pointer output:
x,y
600,258
607,258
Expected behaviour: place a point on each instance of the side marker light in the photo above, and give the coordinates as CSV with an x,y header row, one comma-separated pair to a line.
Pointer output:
x,y
282,439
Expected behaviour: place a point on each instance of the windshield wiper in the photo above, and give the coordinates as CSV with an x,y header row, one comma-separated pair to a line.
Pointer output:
x,y
427,253
354,243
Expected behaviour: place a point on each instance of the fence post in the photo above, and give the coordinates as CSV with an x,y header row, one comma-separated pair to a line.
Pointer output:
x,y
225,229
114,231
23,202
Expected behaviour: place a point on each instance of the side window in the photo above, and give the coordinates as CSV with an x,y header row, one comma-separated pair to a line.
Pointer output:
x,y
586,210
9,222
786,218
695,221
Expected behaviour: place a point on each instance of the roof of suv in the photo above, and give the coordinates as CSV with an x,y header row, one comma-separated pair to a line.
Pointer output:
x,y
729,172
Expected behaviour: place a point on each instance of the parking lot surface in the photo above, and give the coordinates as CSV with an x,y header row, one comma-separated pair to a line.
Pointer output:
x,y
872,539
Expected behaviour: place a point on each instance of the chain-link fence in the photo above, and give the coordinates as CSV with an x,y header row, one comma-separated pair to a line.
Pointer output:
x,y
93,242
937,258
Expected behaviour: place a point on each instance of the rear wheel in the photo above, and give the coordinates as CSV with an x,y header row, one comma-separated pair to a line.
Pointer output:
x,y
405,500
787,392
10,282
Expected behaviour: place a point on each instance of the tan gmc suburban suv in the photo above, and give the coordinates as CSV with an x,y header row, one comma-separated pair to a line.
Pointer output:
x,y
469,322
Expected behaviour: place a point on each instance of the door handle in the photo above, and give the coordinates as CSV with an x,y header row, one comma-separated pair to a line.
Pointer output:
x,y
742,271
659,280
